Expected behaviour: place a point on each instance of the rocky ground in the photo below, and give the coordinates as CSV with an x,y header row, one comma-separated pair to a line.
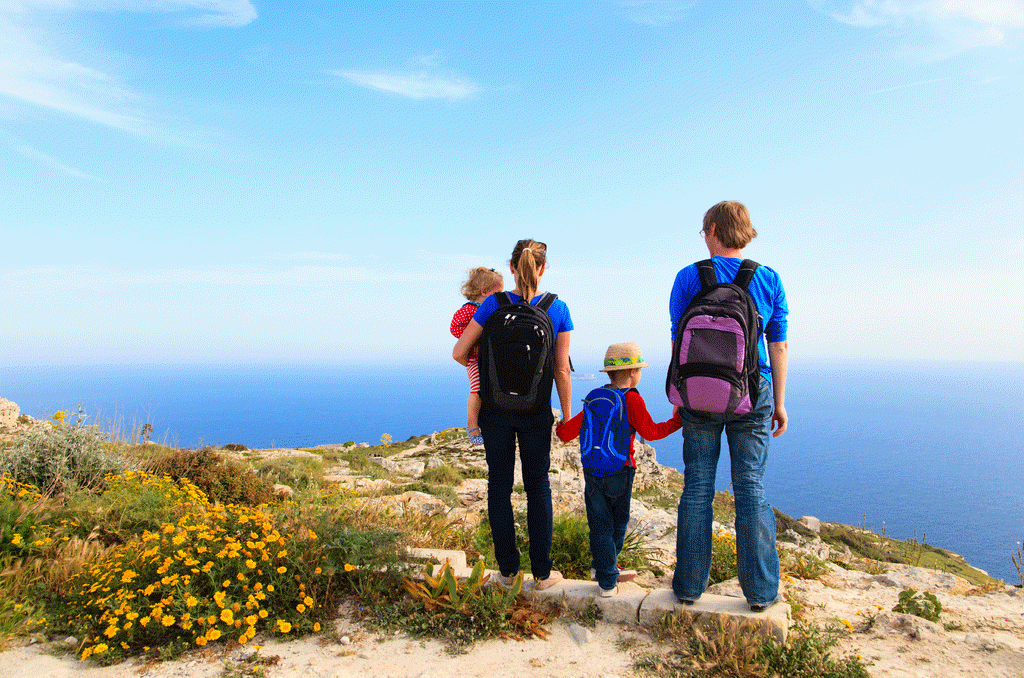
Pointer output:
x,y
981,630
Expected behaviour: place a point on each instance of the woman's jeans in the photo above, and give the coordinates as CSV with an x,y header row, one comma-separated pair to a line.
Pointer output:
x,y
607,500
756,557
500,432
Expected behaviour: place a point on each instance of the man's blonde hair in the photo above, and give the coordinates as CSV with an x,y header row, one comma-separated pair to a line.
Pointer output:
x,y
731,220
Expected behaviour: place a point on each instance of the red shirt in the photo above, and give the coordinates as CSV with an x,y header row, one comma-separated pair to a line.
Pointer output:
x,y
460,321
639,421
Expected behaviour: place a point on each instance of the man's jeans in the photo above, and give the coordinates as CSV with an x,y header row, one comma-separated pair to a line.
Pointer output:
x,y
607,500
756,558
500,432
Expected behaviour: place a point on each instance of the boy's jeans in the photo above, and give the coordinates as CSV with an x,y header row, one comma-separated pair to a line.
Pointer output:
x,y
500,432
607,500
756,558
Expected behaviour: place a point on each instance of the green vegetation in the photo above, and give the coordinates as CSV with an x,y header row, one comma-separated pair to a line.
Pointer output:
x,y
924,605
720,648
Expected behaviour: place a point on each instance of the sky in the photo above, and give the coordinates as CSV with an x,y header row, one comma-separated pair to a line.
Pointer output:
x,y
209,181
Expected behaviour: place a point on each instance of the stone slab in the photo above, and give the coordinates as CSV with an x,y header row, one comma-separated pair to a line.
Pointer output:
x,y
775,620
456,558
580,595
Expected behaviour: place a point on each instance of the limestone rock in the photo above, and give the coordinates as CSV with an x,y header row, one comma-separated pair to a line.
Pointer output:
x,y
811,523
8,413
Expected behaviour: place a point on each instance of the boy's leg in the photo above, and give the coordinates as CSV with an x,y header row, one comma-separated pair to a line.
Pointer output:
x,y
600,520
499,449
757,560
702,438
620,510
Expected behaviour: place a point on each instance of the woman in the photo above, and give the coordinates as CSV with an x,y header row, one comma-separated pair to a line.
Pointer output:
x,y
500,430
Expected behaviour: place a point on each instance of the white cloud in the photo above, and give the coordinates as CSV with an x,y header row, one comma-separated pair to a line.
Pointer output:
x,y
911,84
33,154
33,71
959,24
412,85
656,12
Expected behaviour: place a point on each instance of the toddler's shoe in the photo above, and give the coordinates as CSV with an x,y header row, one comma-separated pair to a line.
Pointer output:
x,y
475,439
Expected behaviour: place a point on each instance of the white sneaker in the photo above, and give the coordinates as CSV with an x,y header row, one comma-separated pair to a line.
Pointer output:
x,y
608,593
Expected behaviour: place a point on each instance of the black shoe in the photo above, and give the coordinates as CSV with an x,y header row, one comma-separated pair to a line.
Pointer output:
x,y
686,601
761,607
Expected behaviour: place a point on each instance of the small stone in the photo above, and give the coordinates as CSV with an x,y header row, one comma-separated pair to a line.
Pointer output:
x,y
71,641
580,634
345,640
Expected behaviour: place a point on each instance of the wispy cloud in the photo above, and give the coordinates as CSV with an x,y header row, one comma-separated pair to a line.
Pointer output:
x,y
910,84
37,155
656,12
33,71
421,85
958,24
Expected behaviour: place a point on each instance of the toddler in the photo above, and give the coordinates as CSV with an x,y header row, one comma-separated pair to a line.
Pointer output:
x,y
481,283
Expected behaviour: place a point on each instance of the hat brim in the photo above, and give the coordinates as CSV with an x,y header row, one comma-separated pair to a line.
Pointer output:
x,y
613,368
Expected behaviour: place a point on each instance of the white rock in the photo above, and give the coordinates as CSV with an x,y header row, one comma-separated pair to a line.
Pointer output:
x,y
811,523
581,634
8,413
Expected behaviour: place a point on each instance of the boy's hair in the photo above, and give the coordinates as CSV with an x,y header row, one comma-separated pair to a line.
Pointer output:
x,y
732,224
479,280
527,258
621,376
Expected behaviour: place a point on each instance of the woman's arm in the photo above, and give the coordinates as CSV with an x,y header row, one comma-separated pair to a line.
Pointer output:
x,y
778,356
464,346
563,375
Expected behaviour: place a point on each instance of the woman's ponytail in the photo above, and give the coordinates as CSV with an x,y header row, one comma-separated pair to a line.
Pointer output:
x,y
527,259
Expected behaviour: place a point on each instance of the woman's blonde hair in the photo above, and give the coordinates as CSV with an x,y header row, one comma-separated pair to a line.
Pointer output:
x,y
479,280
732,224
528,257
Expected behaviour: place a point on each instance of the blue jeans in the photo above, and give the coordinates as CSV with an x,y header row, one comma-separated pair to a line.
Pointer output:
x,y
607,500
756,557
500,432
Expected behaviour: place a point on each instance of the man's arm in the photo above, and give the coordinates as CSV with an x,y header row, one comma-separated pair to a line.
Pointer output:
x,y
778,356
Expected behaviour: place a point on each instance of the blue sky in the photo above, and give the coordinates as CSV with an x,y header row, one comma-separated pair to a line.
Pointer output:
x,y
232,181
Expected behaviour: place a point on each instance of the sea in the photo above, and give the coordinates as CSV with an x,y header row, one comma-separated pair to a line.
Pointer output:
x,y
931,451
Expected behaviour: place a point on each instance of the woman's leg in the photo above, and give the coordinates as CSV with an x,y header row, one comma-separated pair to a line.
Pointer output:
x,y
499,448
535,454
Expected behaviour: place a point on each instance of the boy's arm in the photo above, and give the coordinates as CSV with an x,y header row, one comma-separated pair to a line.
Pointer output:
x,y
568,430
640,419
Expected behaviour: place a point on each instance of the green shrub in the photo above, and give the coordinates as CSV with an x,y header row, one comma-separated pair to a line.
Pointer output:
x,y
300,473
442,475
62,455
220,479
924,605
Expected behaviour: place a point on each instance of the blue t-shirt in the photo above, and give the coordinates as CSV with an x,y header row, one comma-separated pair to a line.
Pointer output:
x,y
765,288
558,312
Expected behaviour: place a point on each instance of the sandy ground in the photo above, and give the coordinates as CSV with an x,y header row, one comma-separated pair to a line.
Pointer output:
x,y
367,655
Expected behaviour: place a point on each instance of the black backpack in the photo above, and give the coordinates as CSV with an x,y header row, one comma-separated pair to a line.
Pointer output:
x,y
517,356
714,365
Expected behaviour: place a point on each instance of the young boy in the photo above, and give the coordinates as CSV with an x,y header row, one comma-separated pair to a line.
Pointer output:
x,y
607,499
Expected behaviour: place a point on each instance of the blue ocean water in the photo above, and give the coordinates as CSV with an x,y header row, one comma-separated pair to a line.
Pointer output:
x,y
932,448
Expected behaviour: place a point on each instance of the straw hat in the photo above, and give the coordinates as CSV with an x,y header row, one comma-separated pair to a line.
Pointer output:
x,y
624,356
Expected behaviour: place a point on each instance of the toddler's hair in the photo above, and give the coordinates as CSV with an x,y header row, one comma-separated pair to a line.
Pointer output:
x,y
480,280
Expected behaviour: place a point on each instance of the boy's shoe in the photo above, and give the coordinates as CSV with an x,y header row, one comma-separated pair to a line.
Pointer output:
x,y
624,574
608,593
761,607
553,578
475,438
686,601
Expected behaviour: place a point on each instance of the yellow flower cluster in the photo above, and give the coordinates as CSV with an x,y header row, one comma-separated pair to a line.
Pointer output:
x,y
217,572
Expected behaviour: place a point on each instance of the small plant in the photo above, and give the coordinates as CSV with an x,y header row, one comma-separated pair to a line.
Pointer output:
x,y
1018,562
802,565
917,547
723,558
446,592
385,440
924,605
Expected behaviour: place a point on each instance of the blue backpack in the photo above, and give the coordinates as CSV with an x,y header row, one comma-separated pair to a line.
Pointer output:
x,y
605,432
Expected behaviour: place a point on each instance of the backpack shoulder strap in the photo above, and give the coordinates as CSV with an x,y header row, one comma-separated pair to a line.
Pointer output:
x,y
746,273
503,299
546,300
706,272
